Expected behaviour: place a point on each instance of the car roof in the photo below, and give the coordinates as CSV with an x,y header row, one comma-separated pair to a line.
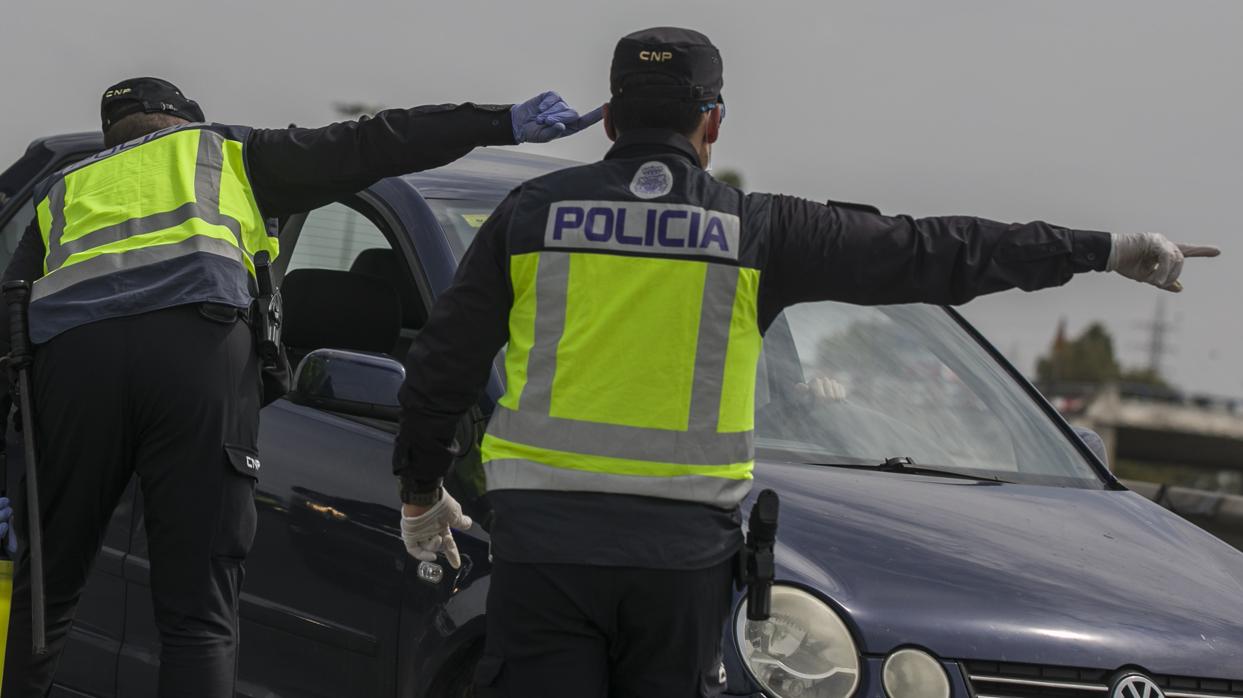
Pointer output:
x,y
70,142
485,174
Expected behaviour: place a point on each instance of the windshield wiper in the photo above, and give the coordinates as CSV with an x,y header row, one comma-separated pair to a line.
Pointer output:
x,y
904,464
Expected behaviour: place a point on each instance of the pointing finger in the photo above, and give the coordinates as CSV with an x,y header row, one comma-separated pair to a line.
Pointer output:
x,y
1199,250
589,118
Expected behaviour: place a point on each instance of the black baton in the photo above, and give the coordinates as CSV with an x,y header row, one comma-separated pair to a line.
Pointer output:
x,y
17,297
6,405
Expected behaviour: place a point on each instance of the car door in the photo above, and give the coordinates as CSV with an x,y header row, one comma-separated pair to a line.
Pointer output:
x,y
324,579
88,665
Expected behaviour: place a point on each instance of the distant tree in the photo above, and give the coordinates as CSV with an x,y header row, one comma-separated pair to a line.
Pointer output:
x,y
731,177
1144,376
1088,358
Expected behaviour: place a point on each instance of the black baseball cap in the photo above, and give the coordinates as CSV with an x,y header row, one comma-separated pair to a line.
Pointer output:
x,y
666,63
145,95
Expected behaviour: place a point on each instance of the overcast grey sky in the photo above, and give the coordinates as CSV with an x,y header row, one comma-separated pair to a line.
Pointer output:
x,y
1119,115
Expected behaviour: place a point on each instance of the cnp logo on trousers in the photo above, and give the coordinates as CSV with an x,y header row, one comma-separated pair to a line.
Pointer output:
x,y
1135,686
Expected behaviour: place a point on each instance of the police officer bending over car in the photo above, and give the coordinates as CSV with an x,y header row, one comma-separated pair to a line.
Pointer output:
x,y
632,293
145,362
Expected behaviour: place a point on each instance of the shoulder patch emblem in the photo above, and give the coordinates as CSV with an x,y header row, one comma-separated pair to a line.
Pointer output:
x,y
652,180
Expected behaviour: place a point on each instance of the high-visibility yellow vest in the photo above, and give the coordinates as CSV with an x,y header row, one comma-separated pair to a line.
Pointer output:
x,y
633,338
163,220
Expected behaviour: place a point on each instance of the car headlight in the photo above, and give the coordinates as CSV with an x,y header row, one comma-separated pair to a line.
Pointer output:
x,y
803,650
912,673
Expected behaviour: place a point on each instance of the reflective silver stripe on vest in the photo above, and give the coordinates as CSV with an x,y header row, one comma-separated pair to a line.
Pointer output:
x,y
207,171
552,279
55,204
518,474
104,264
720,287
694,447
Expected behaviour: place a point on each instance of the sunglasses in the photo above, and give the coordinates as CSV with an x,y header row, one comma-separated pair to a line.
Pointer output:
x,y
719,103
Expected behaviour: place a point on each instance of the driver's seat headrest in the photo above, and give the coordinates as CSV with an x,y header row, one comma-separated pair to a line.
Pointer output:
x,y
326,308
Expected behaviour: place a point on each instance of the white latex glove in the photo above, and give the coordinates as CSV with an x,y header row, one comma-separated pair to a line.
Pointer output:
x,y
428,533
822,389
1152,258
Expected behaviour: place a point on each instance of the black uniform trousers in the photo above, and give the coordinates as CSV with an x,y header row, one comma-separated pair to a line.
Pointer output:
x,y
585,631
172,395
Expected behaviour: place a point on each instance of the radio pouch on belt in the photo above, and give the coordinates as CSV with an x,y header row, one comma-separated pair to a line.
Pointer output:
x,y
756,562
266,317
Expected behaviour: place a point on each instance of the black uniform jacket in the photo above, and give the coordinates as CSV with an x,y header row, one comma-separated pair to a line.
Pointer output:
x,y
812,252
297,169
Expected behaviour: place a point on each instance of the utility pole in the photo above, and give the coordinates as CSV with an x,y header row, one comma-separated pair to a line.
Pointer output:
x,y
1158,345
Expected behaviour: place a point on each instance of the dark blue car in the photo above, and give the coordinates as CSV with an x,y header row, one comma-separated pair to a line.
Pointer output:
x,y
943,532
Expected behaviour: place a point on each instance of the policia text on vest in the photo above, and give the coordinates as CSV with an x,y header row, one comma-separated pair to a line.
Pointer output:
x,y
653,228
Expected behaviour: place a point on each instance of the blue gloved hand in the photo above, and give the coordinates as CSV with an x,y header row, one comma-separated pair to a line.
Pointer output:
x,y
7,534
546,117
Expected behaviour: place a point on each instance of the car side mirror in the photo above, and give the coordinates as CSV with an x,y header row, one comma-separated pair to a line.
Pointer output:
x,y
349,382
1094,442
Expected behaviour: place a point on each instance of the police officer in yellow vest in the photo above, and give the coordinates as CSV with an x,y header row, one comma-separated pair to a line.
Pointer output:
x,y
632,294
144,266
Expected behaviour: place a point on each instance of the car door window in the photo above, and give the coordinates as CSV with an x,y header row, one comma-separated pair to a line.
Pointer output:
x,y
328,303
332,237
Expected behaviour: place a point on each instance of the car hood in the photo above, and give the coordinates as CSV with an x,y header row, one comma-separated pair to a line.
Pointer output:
x,y
1013,573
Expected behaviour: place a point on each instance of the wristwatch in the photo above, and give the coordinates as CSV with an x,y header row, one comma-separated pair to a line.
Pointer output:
x,y
416,493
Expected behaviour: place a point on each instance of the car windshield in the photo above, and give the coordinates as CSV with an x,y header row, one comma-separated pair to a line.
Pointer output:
x,y
461,219
856,386
850,385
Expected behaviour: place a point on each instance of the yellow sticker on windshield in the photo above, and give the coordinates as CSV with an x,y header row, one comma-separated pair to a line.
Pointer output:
x,y
475,220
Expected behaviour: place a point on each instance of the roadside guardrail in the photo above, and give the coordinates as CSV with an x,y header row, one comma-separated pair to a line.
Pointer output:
x,y
1218,513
